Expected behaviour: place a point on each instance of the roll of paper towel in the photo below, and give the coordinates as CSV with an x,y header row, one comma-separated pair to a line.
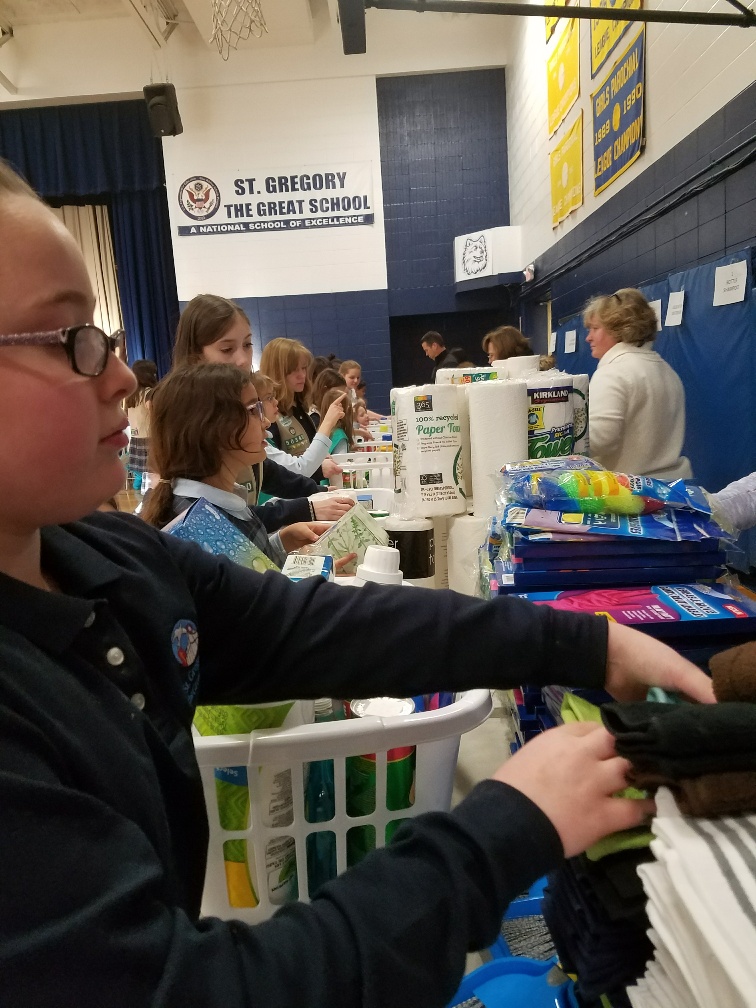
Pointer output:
x,y
518,367
581,440
427,451
550,416
444,376
416,541
441,536
498,434
466,535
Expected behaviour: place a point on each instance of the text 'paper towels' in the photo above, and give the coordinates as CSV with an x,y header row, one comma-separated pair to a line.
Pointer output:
x,y
550,416
498,434
427,451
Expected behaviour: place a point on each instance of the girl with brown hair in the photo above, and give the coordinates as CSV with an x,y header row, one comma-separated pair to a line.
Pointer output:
x,y
286,363
328,379
207,426
342,439
214,329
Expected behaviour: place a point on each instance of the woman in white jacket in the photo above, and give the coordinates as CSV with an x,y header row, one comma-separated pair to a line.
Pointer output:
x,y
636,406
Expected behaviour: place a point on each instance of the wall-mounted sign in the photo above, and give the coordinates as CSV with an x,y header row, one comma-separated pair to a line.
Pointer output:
x,y
473,255
490,252
618,121
281,199
606,34
566,162
563,75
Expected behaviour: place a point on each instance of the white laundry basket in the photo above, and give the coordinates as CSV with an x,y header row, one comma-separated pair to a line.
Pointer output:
x,y
435,734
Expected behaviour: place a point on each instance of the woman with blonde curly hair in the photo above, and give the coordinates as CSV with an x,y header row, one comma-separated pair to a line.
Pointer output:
x,y
636,407
286,363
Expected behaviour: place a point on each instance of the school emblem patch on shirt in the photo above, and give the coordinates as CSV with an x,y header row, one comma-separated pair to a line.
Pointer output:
x,y
185,642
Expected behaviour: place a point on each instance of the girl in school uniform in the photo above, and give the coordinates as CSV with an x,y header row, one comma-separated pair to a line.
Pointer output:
x,y
138,410
286,363
215,330
208,426
111,633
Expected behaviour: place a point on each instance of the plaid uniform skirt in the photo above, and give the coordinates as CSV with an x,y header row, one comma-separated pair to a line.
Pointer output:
x,y
137,458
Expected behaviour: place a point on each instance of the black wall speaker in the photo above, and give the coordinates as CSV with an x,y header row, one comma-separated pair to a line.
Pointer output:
x,y
162,109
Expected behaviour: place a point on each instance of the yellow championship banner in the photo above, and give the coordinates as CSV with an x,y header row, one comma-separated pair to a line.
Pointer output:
x,y
606,34
566,161
618,120
551,22
563,75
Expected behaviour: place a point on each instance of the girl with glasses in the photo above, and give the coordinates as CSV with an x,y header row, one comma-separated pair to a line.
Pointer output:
x,y
213,329
111,633
208,425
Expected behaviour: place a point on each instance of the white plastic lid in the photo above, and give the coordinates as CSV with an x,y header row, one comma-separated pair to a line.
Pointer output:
x,y
381,564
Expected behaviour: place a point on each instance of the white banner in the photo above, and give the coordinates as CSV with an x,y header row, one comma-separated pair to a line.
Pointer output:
x,y
302,198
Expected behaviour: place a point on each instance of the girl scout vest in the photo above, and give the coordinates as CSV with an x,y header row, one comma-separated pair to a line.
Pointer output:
x,y
294,438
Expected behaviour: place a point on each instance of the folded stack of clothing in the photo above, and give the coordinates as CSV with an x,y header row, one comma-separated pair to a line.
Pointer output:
x,y
702,907
595,911
706,754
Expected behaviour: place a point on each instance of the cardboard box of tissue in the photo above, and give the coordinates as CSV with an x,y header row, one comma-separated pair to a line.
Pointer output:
x,y
352,533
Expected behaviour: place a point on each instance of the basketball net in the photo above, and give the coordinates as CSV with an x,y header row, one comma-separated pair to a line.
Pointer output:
x,y
234,21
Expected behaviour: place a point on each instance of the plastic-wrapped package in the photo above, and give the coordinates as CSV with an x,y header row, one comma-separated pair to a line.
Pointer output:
x,y
594,491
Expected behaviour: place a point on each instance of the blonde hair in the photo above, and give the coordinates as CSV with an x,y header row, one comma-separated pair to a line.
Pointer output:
x,y
349,365
506,341
279,358
263,385
626,315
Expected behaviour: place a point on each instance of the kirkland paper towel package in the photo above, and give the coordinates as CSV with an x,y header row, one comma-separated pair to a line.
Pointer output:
x,y
550,416
427,451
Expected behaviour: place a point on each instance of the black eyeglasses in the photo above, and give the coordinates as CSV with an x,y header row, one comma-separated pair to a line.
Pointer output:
x,y
86,346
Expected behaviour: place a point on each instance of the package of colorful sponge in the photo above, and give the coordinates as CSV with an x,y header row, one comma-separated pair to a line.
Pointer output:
x,y
597,491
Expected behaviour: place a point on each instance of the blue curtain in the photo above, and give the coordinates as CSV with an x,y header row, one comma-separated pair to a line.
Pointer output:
x,y
105,153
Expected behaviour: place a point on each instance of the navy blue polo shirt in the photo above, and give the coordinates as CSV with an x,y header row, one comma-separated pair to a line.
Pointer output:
x,y
102,823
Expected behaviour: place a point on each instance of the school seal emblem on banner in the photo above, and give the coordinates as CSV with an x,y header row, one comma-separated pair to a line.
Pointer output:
x,y
199,197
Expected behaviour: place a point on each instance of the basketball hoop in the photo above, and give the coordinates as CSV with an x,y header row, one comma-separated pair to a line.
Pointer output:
x,y
234,21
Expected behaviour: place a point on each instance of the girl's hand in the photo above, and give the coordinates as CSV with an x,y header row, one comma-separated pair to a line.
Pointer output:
x,y
635,661
329,507
572,774
334,413
294,537
330,468
339,565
